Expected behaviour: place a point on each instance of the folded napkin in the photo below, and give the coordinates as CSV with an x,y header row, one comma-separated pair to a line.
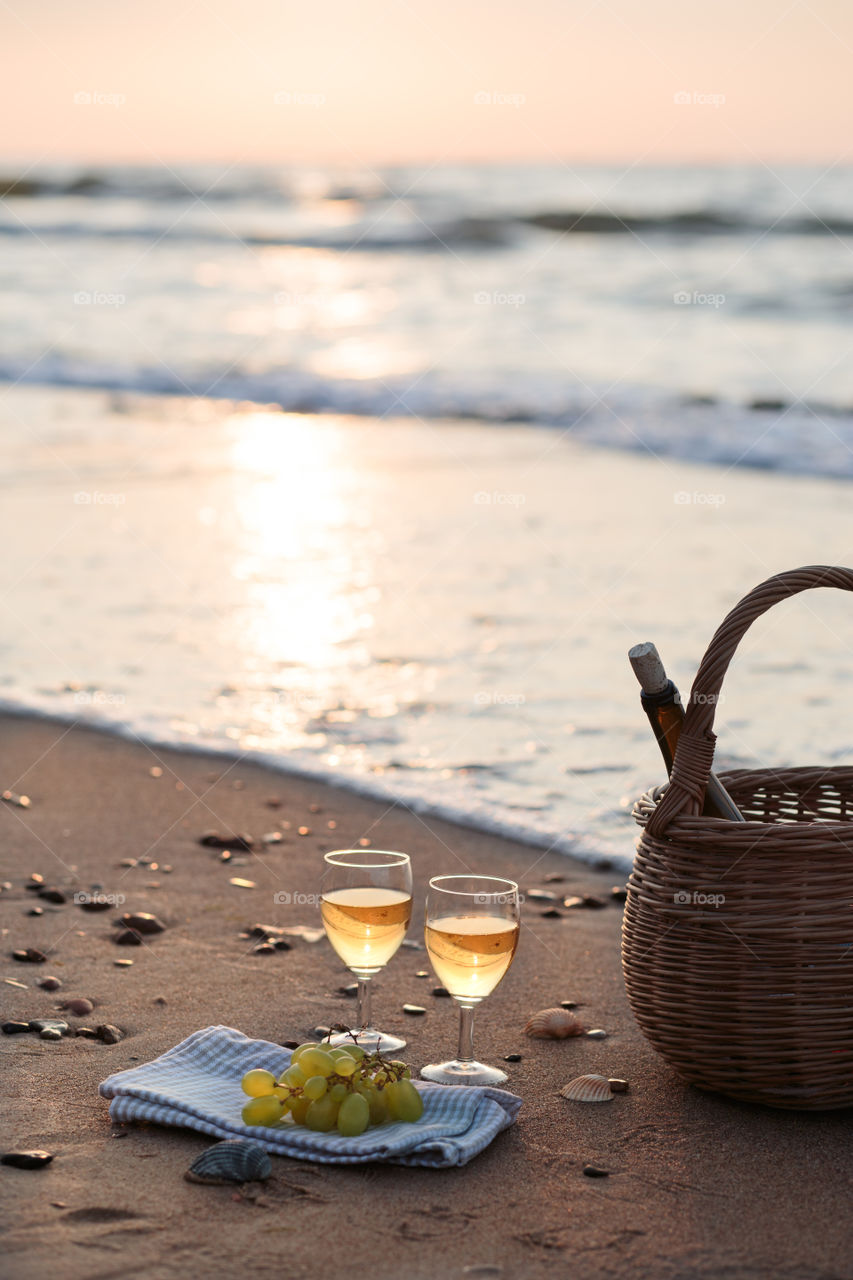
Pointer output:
x,y
196,1085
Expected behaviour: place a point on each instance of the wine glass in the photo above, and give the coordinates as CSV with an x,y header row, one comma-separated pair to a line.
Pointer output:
x,y
366,905
471,936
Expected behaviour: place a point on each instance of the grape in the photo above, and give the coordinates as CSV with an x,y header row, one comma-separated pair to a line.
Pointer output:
x,y
353,1116
314,1088
317,1062
294,1076
322,1114
258,1084
297,1052
265,1111
378,1107
338,1091
346,1066
282,1092
299,1109
404,1101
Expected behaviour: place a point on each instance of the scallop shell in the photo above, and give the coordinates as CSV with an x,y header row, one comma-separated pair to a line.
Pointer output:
x,y
554,1024
587,1089
234,1161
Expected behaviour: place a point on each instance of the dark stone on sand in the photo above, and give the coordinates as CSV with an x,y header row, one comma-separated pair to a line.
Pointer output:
x,y
34,883
127,938
322,1032
619,893
49,1024
26,1159
265,931
29,955
142,922
350,991
14,1028
568,1004
554,877
618,1086
94,902
50,1033
281,944
422,973
440,992
79,1006
414,1010
604,864
35,911
290,1044
88,1033
214,840
53,895
160,1000
593,1171
512,1057
541,895
263,949
551,914
49,984
108,1033
586,901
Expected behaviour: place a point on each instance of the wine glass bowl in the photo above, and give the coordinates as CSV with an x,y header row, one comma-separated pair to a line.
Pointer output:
x,y
471,933
366,906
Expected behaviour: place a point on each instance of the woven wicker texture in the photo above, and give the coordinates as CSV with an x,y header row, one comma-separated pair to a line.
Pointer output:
x,y
737,942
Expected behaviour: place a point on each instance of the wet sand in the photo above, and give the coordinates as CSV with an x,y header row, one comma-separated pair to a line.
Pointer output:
x,y
697,1185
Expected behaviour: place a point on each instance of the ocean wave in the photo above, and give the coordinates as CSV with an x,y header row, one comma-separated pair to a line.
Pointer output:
x,y
781,435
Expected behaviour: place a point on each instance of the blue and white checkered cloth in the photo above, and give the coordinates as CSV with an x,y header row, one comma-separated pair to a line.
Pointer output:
x,y
196,1085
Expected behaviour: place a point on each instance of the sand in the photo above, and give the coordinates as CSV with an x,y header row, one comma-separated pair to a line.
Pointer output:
x,y
697,1186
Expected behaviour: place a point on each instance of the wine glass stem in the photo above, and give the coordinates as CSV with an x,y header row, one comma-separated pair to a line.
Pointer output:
x,y
465,1053
363,1003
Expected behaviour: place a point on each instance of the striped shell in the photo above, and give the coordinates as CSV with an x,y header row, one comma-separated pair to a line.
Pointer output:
x,y
234,1161
554,1024
587,1089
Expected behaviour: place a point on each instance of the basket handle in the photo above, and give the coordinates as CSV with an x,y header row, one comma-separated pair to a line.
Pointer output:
x,y
694,755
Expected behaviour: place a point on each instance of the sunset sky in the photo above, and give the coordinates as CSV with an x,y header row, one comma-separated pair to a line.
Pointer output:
x,y
385,80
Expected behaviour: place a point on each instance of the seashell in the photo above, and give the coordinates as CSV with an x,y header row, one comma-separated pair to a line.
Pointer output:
x,y
587,1089
236,1160
554,1024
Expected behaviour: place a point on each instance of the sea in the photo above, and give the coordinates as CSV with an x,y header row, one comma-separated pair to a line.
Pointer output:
x,y
377,474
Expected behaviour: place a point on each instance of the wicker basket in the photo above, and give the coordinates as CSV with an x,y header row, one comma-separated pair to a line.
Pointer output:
x,y
737,941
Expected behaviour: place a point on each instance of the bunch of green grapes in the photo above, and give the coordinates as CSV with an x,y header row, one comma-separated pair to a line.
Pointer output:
x,y
324,1088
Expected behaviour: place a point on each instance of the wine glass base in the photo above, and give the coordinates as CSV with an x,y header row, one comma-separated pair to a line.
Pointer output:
x,y
370,1039
455,1072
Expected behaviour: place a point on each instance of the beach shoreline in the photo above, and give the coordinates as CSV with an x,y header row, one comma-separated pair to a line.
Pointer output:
x,y
697,1185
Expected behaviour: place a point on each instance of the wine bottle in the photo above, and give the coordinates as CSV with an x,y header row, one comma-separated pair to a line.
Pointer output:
x,y
661,702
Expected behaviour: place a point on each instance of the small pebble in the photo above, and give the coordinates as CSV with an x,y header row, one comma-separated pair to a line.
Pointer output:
x,y
512,1057
22,802
11,982
213,840
304,831
568,1004
242,884
281,944
128,862
160,1000
53,895
332,825
225,855
540,895
592,1171
59,1204
290,1044
596,1034
127,938
619,893
554,877
273,802
551,914
263,949
440,992
49,983
604,864
35,911
49,1024
15,1028
272,837
79,1006
618,1086
142,922
50,1034
122,964
350,991
314,808
108,1033
88,1033
364,843
156,771
414,1010
422,973
30,955
26,1159
35,882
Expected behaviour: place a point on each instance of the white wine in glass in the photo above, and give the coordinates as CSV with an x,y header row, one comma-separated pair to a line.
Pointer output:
x,y
366,905
471,935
